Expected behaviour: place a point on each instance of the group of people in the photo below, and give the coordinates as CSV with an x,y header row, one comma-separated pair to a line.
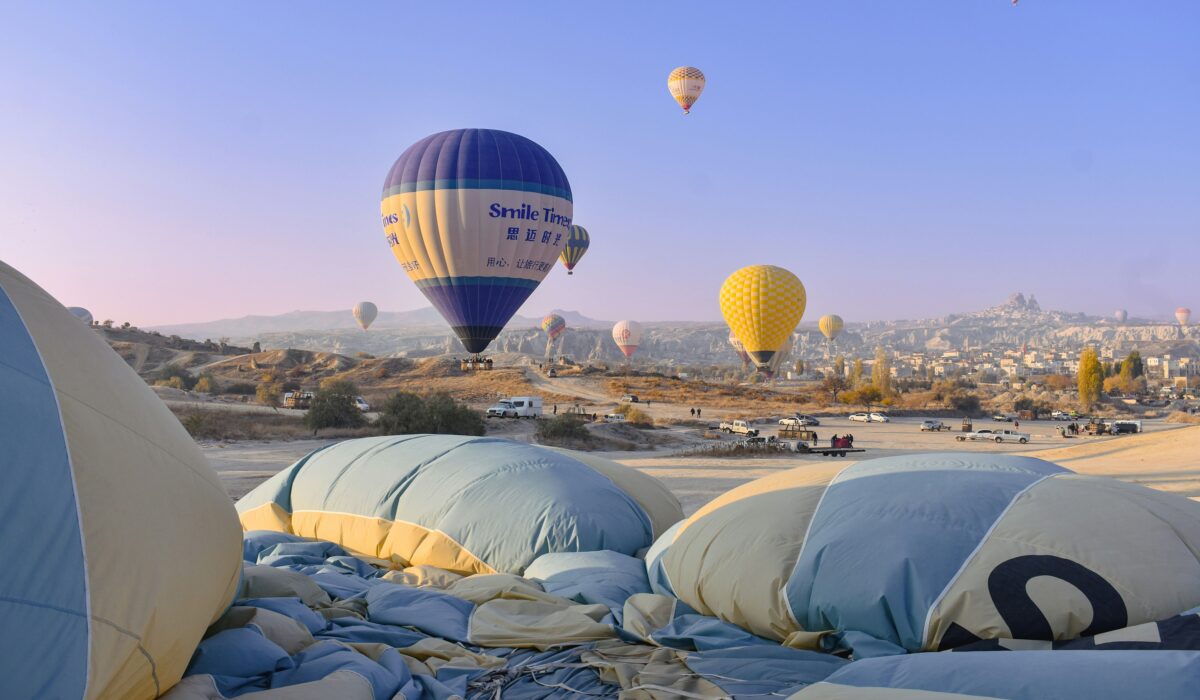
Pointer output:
x,y
695,412
846,440
1071,428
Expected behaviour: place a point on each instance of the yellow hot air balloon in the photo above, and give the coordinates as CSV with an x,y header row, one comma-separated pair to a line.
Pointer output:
x,y
762,305
686,83
831,326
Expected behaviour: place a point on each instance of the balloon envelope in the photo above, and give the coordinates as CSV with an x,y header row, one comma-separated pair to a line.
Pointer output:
x,y
628,336
686,83
81,313
554,325
365,313
476,218
831,326
577,244
738,347
762,304
1183,315
1121,315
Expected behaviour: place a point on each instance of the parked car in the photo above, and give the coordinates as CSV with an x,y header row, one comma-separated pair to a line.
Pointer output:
x,y
933,425
799,421
860,417
880,418
361,404
740,427
552,373
870,417
614,418
995,436
629,398
1002,418
517,407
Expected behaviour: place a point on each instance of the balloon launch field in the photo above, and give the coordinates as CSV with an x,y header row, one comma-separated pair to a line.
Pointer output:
x,y
1164,457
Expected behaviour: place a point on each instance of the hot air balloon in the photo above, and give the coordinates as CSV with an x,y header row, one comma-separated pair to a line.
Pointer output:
x,y
81,313
831,326
1183,315
554,325
365,313
762,304
476,218
738,348
627,335
576,245
686,83
1121,315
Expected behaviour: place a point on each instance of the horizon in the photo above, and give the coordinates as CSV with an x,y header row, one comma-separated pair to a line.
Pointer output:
x,y
907,162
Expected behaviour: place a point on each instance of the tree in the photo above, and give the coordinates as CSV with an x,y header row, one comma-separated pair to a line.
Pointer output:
x,y
206,385
1133,365
333,407
881,372
856,374
867,395
1090,378
404,413
835,384
798,367
268,393
839,366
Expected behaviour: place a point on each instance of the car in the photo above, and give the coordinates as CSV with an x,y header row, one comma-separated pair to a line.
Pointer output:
x,y
870,417
361,404
790,422
629,398
552,373
860,417
1002,418
880,418
614,418
517,407
995,436
933,425
807,420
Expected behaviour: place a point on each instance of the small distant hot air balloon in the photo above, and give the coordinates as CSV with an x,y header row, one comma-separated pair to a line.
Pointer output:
x,y
686,83
573,250
365,313
738,348
762,304
1183,315
476,218
554,325
81,313
627,335
831,326
1121,315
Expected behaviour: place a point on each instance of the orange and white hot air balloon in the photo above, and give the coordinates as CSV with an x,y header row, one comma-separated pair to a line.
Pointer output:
x,y
1183,314
628,336
686,83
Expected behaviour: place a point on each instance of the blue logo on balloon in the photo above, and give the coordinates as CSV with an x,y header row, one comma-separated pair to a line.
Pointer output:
x,y
407,217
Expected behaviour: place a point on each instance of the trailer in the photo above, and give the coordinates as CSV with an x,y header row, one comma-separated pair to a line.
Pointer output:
x,y
805,441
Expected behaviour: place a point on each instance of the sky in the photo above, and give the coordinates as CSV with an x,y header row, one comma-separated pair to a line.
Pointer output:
x,y
181,162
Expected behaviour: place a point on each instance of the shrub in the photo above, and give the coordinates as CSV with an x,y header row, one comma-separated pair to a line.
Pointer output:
x,y
635,415
965,403
206,384
333,407
405,413
240,388
169,372
566,427
268,394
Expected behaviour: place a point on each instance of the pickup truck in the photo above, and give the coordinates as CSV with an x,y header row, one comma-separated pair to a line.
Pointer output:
x,y
740,427
995,435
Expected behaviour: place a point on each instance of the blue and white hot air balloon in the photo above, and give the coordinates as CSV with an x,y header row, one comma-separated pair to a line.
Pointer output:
x,y
477,218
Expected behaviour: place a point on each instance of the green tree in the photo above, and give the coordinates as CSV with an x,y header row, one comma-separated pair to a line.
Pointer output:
x,y
405,413
1090,378
183,380
856,373
881,372
839,366
333,407
1133,365
965,402
866,395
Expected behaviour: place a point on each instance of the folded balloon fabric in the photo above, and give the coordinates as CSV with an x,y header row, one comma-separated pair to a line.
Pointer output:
x,y
312,621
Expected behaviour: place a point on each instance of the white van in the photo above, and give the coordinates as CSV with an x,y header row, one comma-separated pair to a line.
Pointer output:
x,y
517,407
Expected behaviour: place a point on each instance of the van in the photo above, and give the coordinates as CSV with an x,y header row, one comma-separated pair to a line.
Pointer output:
x,y
517,407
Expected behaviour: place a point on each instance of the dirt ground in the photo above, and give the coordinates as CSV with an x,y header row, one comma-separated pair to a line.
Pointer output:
x,y
1166,456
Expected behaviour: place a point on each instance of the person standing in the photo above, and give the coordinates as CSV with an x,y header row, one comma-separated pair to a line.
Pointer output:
x,y
697,413
556,409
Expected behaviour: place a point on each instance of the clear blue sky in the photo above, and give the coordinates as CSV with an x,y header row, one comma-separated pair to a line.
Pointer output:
x,y
164,162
